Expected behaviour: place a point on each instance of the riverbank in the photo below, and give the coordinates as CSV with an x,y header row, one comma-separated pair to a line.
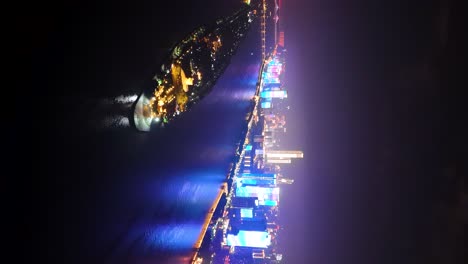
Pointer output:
x,y
204,242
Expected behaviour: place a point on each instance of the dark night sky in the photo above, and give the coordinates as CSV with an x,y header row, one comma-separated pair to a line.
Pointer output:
x,y
371,88
371,83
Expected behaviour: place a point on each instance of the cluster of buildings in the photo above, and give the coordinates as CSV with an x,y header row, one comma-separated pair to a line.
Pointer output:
x,y
252,223
248,228
191,70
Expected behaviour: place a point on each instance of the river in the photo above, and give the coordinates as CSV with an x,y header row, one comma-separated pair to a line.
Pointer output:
x,y
115,195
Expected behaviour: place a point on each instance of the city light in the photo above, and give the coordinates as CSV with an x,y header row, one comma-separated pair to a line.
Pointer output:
x,y
191,70
246,212
249,239
255,191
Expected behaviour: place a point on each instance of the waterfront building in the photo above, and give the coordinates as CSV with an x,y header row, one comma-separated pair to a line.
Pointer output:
x,y
254,239
258,175
267,196
278,161
274,94
258,254
244,202
285,181
258,139
279,154
266,104
281,39
255,182
259,153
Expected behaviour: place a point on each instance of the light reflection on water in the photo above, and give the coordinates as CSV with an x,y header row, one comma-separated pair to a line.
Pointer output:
x,y
174,210
182,189
116,111
171,237
175,186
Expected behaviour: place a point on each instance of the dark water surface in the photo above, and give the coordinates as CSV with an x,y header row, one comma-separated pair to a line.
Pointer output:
x,y
108,194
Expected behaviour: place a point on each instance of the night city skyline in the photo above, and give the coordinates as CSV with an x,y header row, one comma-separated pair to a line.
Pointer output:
x,y
237,131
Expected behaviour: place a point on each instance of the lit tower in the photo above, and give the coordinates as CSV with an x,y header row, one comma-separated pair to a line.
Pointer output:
x,y
263,29
281,94
282,156
285,181
276,21
278,161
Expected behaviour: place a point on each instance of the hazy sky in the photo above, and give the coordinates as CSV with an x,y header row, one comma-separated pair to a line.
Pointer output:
x,y
363,81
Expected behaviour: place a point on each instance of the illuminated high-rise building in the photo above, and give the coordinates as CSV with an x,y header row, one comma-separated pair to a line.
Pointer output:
x,y
272,87
258,191
244,238
244,202
255,182
258,139
274,94
258,175
284,154
268,196
249,224
279,161
265,105
281,39
285,181
258,254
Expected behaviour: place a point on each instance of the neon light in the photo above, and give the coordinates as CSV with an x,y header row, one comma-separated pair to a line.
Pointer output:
x,y
268,202
256,182
263,193
274,94
266,104
258,175
246,212
249,239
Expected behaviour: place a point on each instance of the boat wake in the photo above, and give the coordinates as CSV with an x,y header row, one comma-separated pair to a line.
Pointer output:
x,y
114,113
125,99
117,121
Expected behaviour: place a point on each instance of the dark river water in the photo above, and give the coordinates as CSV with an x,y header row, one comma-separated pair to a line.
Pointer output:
x,y
115,195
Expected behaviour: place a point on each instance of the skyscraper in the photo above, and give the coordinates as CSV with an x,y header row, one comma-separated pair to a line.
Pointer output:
x,y
285,181
274,94
279,161
283,154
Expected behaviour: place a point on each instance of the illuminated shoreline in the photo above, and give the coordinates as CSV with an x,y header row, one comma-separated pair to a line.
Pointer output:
x,y
191,71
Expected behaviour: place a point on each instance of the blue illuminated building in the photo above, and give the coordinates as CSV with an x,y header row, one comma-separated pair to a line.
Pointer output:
x,y
274,94
244,202
258,175
256,182
266,104
252,228
257,239
271,86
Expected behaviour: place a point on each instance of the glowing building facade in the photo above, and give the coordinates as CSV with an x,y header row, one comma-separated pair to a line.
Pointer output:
x,y
279,161
268,196
244,238
244,202
284,154
274,94
255,182
258,175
